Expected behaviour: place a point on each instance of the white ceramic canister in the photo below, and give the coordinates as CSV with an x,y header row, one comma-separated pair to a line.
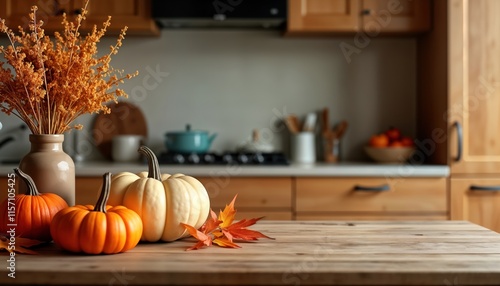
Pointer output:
x,y
124,148
303,147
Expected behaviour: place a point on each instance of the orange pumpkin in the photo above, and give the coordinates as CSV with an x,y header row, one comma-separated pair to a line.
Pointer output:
x,y
33,211
96,230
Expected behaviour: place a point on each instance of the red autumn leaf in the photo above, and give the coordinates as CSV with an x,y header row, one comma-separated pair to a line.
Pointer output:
x,y
20,246
239,230
222,231
203,239
211,224
224,242
198,245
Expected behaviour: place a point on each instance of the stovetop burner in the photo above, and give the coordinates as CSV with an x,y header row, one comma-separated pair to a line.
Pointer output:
x,y
245,158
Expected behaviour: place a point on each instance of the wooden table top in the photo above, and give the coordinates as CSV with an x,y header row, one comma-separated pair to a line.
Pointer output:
x,y
303,253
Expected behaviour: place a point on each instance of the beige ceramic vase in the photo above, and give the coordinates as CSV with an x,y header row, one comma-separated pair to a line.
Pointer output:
x,y
52,170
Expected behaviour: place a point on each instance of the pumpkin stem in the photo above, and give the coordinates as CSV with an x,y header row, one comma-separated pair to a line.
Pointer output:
x,y
153,165
31,186
100,206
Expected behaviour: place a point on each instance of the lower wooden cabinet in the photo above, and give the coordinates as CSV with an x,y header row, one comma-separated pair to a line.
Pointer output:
x,y
371,198
321,198
477,201
87,190
267,197
270,197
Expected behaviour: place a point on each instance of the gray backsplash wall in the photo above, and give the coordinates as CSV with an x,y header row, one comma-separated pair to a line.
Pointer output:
x,y
233,81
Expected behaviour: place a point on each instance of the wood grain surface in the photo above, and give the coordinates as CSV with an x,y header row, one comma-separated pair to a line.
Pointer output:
x,y
303,253
125,118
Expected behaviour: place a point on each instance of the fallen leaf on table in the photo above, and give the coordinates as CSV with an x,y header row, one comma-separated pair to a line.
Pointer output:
x,y
239,230
21,244
227,216
203,234
222,231
224,242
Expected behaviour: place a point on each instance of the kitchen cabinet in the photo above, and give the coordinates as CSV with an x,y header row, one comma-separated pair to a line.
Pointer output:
x,y
270,197
371,198
132,13
87,190
459,66
135,14
350,16
50,12
476,200
474,49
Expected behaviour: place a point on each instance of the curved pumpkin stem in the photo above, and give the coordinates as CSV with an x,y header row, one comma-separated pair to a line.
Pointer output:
x,y
100,206
31,186
153,165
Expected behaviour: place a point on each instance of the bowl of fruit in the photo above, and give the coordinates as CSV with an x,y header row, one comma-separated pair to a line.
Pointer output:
x,y
390,147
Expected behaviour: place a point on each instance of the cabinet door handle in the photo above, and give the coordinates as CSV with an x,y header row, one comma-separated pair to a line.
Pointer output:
x,y
485,188
381,188
366,12
458,126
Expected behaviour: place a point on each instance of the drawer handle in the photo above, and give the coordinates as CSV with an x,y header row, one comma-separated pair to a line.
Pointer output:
x,y
460,136
381,188
485,188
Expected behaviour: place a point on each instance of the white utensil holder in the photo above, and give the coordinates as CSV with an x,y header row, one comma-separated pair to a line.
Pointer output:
x,y
303,147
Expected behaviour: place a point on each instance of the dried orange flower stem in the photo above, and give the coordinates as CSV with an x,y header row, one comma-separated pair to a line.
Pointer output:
x,y
48,84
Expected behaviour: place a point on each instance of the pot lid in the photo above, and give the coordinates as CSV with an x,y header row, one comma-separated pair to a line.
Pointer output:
x,y
187,131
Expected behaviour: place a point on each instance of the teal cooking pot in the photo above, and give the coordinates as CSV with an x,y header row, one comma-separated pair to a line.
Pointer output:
x,y
189,141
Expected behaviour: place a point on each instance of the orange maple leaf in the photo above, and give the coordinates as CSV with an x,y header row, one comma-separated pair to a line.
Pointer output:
x,y
224,242
227,216
222,231
203,234
20,245
203,239
239,230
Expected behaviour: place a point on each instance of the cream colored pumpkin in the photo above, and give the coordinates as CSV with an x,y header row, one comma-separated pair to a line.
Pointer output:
x,y
162,201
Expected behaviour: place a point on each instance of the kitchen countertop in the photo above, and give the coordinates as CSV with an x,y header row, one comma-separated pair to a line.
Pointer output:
x,y
303,253
346,169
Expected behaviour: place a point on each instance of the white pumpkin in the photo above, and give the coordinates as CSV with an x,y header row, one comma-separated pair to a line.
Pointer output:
x,y
162,201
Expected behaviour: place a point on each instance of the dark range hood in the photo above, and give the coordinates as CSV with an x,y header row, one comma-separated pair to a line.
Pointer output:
x,y
269,14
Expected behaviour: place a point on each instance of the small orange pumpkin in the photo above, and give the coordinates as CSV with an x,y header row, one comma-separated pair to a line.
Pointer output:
x,y
33,211
97,230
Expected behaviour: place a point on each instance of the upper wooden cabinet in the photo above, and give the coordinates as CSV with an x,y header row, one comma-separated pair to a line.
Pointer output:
x,y
135,14
16,13
323,16
458,71
349,16
474,96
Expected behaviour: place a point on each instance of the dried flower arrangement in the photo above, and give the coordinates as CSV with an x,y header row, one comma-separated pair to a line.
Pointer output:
x,y
48,84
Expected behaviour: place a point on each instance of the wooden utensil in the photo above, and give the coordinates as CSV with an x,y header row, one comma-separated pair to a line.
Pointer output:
x,y
292,124
340,129
125,118
331,141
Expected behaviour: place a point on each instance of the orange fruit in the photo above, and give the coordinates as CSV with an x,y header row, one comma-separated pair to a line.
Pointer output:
x,y
393,133
407,141
379,140
396,143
